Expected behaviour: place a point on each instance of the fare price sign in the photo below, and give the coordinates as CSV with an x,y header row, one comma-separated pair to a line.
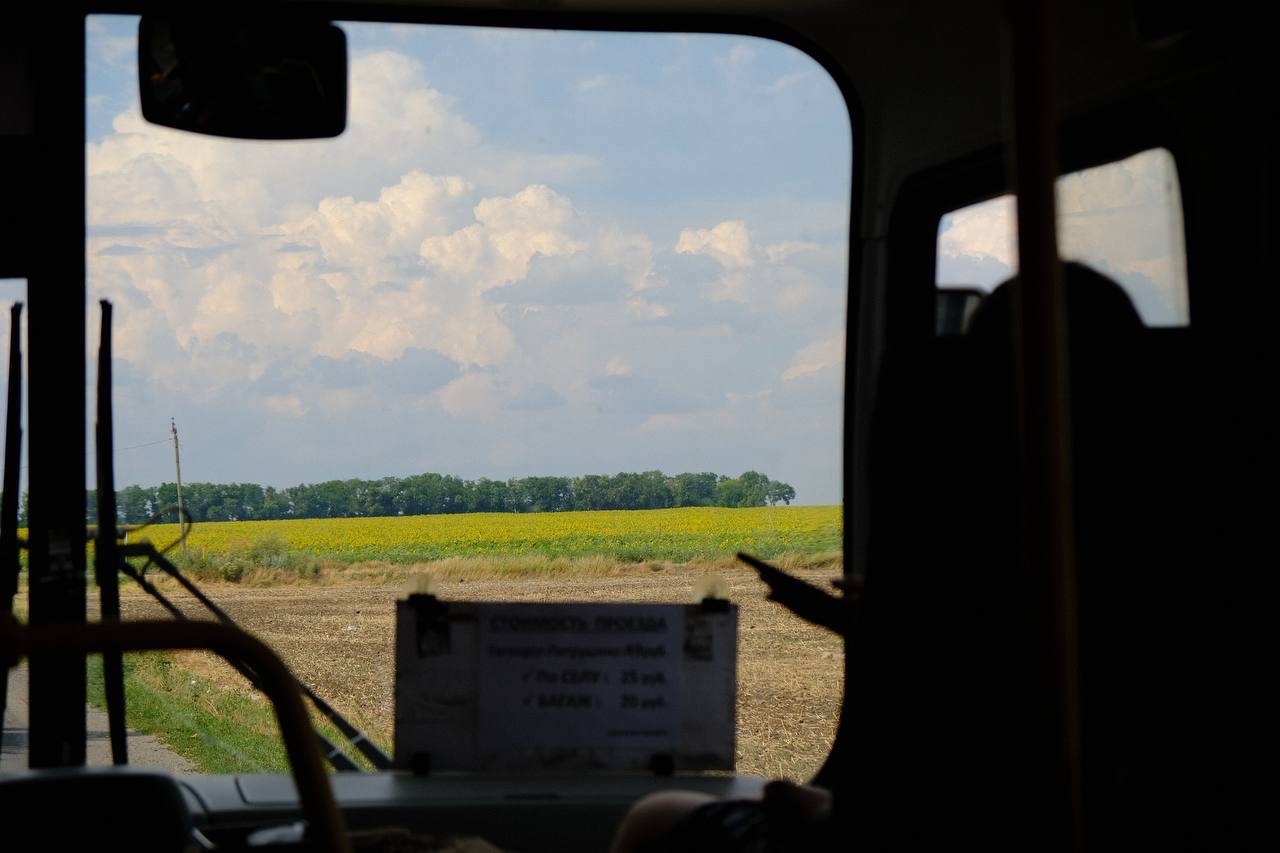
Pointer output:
x,y
566,686
551,676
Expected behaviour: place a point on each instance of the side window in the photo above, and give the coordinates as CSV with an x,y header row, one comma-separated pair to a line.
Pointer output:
x,y
1123,218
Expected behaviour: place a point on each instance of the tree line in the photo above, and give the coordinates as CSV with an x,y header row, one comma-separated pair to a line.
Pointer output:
x,y
431,494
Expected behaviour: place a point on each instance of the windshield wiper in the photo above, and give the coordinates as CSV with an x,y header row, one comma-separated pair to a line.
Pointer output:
x,y
379,759
111,556
104,553
338,759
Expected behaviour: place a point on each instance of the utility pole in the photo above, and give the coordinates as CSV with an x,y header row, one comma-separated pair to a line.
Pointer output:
x,y
177,467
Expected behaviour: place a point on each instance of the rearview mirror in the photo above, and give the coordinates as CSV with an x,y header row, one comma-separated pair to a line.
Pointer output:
x,y
255,79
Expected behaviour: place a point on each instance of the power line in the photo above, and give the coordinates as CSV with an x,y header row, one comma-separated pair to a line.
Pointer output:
x,y
148,444
163,441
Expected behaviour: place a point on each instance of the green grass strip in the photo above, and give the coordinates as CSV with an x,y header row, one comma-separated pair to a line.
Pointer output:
x,y
216,730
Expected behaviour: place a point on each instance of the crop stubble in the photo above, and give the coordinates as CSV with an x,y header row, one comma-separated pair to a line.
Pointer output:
x,y
337,637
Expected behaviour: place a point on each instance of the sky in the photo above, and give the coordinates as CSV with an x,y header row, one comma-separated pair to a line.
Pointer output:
x,y
529,254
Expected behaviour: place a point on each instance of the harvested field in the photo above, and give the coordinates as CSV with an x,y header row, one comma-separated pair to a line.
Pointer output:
x,y
337,632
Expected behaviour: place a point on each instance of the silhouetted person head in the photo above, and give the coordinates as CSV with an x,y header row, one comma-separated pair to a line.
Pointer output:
x,y
1097,307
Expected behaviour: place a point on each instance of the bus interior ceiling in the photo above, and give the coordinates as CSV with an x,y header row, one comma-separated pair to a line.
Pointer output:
x,y
956,725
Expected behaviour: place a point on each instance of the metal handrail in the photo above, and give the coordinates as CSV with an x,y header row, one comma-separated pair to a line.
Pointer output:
x,y
326,826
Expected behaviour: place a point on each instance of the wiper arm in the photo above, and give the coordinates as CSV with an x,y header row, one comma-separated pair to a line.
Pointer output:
x,y
379,759
338,759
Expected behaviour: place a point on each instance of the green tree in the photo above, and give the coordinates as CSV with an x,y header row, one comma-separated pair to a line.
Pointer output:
x,y
693,489
431,493
729,492
547,494
487,495
131,504
779,492
591,492
274,505
754,488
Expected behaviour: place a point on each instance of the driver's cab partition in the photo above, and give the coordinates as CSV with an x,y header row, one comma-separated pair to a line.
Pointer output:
x,y
530,687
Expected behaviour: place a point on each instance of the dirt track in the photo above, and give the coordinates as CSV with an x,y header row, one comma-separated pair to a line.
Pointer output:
x,y
337,637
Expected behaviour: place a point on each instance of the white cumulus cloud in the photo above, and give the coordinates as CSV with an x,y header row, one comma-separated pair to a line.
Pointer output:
x,y
728,243
984,230
816,357
411,266
780,252
508,232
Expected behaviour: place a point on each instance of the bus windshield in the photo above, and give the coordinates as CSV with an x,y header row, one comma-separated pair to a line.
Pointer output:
x,y
560,316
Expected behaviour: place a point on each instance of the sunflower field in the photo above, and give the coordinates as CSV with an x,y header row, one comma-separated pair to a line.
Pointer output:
x,y
677,535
